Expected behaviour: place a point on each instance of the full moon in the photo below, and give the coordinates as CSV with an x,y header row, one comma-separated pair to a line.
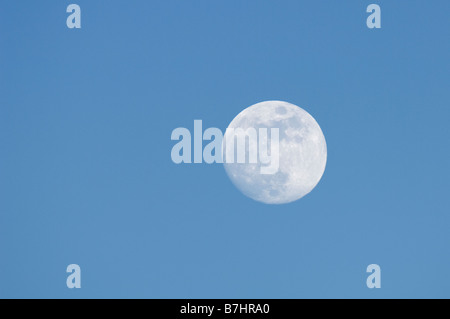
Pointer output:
x,y
302,153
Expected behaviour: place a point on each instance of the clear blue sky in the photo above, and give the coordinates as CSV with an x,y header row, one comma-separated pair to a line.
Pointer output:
x,y
86,175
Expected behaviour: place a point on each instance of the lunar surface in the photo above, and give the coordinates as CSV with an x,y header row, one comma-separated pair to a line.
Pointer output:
x,y
302,153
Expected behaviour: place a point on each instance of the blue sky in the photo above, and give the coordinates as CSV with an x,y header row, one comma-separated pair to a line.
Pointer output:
x,y
86,175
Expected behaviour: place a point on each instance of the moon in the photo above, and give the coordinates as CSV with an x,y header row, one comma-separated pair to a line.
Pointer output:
x,y
302,153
